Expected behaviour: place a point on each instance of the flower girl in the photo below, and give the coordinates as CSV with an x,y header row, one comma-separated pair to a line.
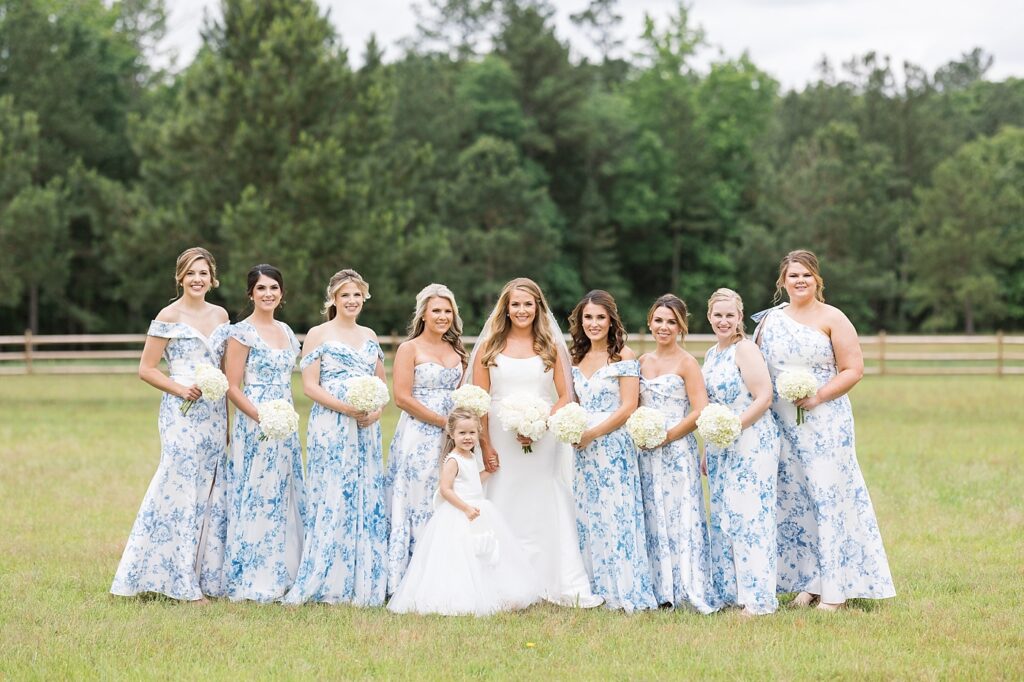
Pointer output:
x,y
468,561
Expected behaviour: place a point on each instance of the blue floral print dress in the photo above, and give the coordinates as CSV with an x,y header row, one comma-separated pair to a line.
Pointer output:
x,y
673,499
266,499
609,506
829,542
413,465
742,478
176,546
347,527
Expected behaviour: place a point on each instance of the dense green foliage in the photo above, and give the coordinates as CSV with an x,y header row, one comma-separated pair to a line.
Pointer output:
x,y
486,151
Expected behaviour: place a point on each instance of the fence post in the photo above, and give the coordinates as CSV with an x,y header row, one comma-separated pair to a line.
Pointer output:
x,y
881,352
999,353
28,351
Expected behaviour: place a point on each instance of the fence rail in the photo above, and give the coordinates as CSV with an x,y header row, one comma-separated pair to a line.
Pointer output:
x,y
995,354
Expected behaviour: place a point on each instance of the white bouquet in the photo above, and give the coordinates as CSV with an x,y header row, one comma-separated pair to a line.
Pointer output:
x,y
646,427
569,423
366,394
473,398
211,381
718,425
278,420
526,415
796,384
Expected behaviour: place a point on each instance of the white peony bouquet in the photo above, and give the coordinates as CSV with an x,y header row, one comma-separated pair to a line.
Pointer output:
x,y
366,394
796,384
473,398
718,425
211,381
646,427
278,420
568,423
526,415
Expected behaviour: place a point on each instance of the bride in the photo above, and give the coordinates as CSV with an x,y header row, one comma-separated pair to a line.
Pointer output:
x,y
521,350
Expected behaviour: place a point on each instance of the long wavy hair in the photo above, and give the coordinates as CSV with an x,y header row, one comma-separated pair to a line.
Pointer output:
x,y
616,332
729,295
454,334
457,415
679,311
809,261
338,280
499,325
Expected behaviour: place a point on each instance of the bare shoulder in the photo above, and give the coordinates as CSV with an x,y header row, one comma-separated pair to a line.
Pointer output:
x,y
687,363
627,353
368,333
315,334
219,313
747,348
170,313
837,320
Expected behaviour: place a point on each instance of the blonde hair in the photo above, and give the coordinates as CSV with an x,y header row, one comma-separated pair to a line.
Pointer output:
x,y
809,261
455,416
499,325
678,308
728,295
338,280
454,334
185,261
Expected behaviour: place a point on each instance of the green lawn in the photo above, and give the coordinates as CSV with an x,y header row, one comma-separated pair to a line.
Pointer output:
x,y
942,457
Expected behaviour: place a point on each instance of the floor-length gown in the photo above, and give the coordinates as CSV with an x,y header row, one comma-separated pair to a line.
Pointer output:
x,y
266,498
530,492
346,526
829,542
742,478
413,465
673,497
464,567
609,501
176,546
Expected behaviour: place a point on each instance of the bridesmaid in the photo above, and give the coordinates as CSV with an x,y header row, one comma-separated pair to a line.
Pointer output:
x,y
176,546
267,502
742,475
673,497
609,505
343,555
830,549
428,367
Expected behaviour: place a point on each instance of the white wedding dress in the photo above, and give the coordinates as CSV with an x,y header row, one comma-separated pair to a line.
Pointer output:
x,y
530,492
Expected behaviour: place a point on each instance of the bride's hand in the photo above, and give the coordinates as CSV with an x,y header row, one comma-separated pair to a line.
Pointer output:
x,y
491,462
523,440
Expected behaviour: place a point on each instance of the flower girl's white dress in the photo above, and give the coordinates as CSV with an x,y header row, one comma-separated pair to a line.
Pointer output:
x,y
464,567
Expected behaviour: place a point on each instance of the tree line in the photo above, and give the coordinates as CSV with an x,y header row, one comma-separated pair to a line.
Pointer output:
x,y
485,150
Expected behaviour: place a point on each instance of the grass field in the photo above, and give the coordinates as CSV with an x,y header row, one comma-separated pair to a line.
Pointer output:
x,y
943,458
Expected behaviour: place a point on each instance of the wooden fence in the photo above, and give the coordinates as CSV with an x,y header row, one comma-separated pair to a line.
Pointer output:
x,y
997,354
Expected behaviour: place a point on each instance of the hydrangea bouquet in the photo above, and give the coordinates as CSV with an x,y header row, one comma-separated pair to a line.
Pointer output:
x,y
278,420
718,425
211,381
473,398
568,423
797,384
366,394
646,427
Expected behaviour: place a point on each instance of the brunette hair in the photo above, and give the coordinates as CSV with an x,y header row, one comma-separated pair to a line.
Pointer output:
x,y
338,280
725,294
499,325
616,332
454,334
185,260
678,308
809,261
457,415
270,271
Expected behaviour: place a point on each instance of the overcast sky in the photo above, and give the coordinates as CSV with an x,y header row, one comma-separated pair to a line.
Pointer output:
x,y
784,37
